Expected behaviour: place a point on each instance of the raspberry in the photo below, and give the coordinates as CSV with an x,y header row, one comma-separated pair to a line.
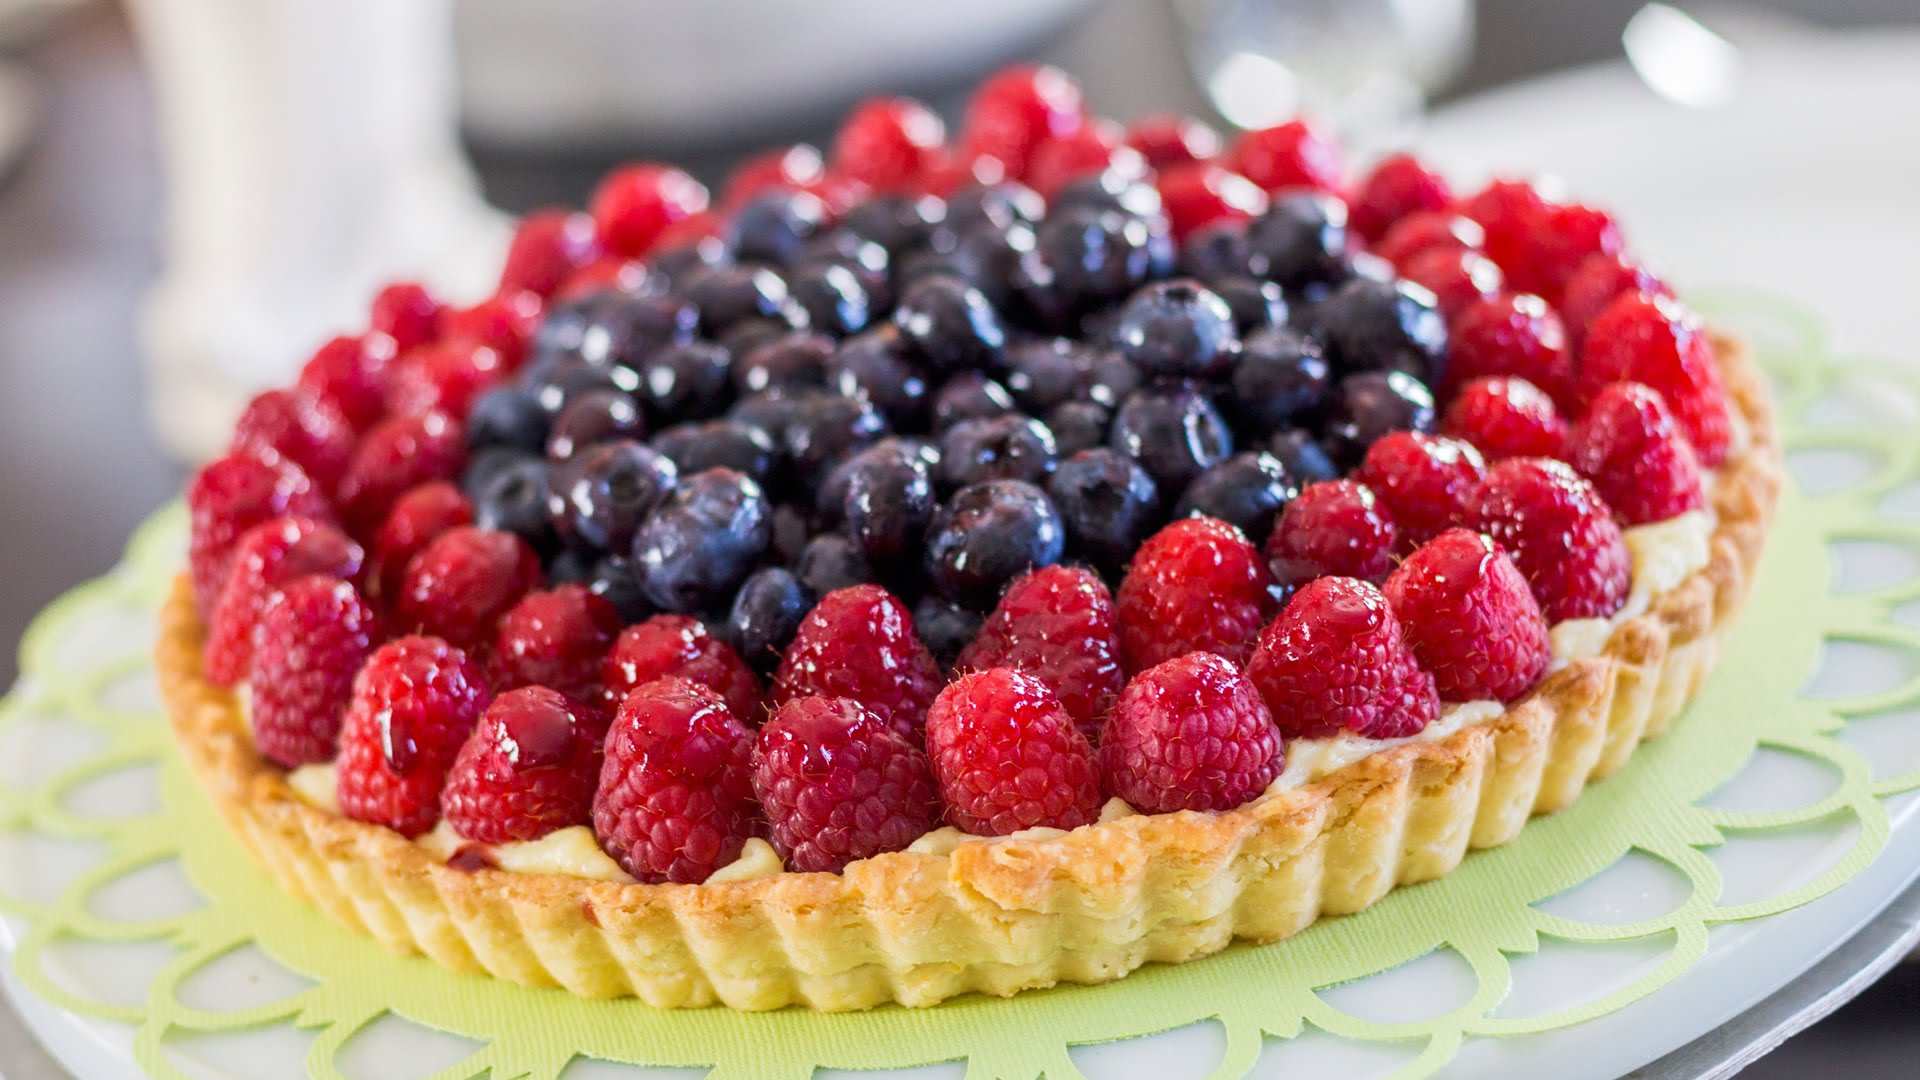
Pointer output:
x,y
231,495
611,273
1008,757
556,638
1508,210
1506,417
1398,186
416,518
1559,533
462,582
1595,284
529,767
859,643
1455,276
1097,146
676,790
397,455
446,376
503,322
1653,340
1511,334
1632,449
406,312
1470,618
1423,479
312,638
634,204
1564,236
786,168
351,373
1293,154
1335,661
308,430
682,647
1199,194
1169,140
414,703
1190,734
839,784
1019,108
1057,625
1196,585
268,556
1334,527
1429,230
548,247
887,143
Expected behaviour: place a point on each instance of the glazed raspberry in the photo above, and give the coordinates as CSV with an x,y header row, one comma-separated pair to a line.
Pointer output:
x,y
1166,141
1293,154
504,322
784,168
1190,734
548,247
1470,618
460,584
1508,210
351,373
268,556
839,784
1198,194
1008,757
1510,334
406,312
1057,625
396,456
1558,532
414,703
1332,527
957,172
859,643
681,646
231,495
1654,341
1595,284
1019,108
1335,661
313,636
634,204
675,801
1456,277
1506,417
1632,449
1196,585
1564,236
887,143
529,767
308,430
611,273
1422,479
556,638
1429,230
1398,186
1095,147
416,518
446,376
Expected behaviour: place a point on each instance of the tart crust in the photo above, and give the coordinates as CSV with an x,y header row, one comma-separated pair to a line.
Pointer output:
x,y
1005,915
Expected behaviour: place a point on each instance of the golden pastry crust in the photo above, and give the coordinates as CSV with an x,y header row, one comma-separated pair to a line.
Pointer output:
x,y
1001,916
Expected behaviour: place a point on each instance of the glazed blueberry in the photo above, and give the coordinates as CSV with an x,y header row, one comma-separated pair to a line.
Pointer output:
x,y
836,301
830,500
1371,325
1281,377
769,411
1246,490
1301,240
728,295
749,334
1043,372
969,396
604,328
1303,457
832,561
790,529
1108,503
593,418
1084,260
684,380
515,500
1173,431
558,384
1010,447
774,226
825,428
613,579
895,222
508,416
988,534
1079,425
874,365
718,444
888,502
1001,205
570,567
701,542
1109,190
945,627
1368,406
1176,328
600,496
766,613
950,324
1111,379
788,362
672,268
484,465
1220,250
1256,304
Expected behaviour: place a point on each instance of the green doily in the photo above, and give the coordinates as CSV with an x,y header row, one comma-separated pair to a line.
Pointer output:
x,y
1485,912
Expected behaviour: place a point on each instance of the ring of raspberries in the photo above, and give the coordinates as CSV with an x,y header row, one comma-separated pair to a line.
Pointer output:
x,y
970,481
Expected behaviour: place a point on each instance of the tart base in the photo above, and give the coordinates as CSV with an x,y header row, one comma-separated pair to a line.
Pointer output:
x,y
1002,916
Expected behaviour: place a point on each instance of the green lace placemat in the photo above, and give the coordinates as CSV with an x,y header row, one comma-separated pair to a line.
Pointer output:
x,y
1484,912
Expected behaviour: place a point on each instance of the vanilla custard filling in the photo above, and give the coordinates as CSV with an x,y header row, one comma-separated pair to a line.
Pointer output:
x,y
1664,554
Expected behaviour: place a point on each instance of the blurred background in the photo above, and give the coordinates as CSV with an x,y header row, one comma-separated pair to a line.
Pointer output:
x,y
195,192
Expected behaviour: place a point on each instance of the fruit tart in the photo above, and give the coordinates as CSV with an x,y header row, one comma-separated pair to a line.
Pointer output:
x,y
962,564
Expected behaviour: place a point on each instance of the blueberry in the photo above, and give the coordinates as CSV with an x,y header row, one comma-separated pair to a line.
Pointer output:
x,y
1002,205
727,295
1108,503
1083,260
1177,328
684,380
671,268
1301,240
1368,406
774,226
770,412
788,362
1219,250
969,396
592,418
1111,379
984,256
719,444
832,561
988,534
895,222
790,532
1109,190
515,501
1246,490
749,334
1043,372
827,427
836,301
874,365
557,384
484,465
1010,447
1256,304
1173,431
1368,325
570,567
1281,378
829,501
888,502
1079,425
1304,458
608,327
613,578
508,416
766,613
700,542
600,497
945,627
950,324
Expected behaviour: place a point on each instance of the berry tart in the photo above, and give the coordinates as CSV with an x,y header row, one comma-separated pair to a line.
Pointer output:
x,y
944,565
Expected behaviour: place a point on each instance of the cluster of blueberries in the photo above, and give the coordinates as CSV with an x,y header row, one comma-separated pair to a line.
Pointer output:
x,y
938,395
